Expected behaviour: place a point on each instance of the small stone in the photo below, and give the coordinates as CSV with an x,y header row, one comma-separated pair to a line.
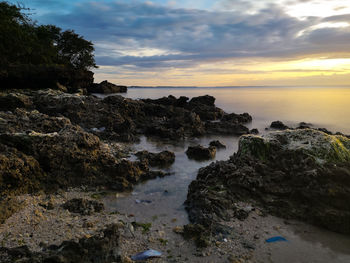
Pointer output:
x,y
178,229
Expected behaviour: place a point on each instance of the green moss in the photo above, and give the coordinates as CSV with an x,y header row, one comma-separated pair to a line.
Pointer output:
x,y
254,146
322,147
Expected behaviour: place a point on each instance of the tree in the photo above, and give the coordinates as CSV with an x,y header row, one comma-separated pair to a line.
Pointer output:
x,y
14,34
22,42
75,50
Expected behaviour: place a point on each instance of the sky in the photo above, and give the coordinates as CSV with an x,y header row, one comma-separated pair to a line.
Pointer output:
x,y
210,43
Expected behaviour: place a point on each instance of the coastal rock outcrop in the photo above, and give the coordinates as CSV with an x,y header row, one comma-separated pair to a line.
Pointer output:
x,y
14,100
60,134
38,151
278,125
19,172
121,119
302,174
200,152
106,87
162,159
217,144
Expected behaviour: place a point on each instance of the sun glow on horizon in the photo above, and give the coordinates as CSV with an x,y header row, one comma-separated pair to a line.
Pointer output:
x,y
311,71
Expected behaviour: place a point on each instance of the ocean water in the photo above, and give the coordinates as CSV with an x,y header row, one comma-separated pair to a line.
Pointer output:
x,y
160,201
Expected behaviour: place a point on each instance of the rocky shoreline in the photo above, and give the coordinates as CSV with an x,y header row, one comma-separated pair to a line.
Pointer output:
x,y
59,151
51,141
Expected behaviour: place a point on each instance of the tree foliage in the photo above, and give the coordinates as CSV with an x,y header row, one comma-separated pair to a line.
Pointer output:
x,y
24,42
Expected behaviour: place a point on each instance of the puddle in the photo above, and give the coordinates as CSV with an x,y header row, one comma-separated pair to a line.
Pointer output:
x,y
164,197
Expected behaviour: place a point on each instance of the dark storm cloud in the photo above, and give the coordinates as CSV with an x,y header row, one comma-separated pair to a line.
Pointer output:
x,y
190,36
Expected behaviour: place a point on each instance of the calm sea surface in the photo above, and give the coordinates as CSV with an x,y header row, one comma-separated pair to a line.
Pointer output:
x,y
160,201
327,107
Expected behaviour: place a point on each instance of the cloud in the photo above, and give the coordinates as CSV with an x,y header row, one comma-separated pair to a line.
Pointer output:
x,y
123,31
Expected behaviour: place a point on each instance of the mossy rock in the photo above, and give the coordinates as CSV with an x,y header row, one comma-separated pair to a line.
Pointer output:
x,y
324,148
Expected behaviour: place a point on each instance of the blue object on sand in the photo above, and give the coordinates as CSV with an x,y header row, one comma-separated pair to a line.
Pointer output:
x,y
147,254
275,239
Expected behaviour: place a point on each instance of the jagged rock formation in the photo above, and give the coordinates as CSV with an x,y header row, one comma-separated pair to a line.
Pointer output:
x,y
302,173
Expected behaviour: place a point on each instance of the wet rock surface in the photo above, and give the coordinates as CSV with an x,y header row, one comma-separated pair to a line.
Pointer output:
x,y
278,125
117,118
217,144
302,174
200,152
162,159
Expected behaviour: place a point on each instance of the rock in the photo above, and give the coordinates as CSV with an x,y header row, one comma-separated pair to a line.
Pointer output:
x,y
304,125
201,153
19,173
204,100
254,131
302,174
204,106
106,87
22,121
278,125
162,159
325,131
83,206
8,206
14,100
237,118
217,144
169,101
198,233
65,153
101,248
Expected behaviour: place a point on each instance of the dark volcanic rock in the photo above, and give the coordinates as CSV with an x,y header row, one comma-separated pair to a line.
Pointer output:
x,y
304,125
204,106
106,87
83,206
254,131
101,248
302,174
278,125
201,153
203,100
11,101
325,131
237,118
162,159
217,144
34,144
